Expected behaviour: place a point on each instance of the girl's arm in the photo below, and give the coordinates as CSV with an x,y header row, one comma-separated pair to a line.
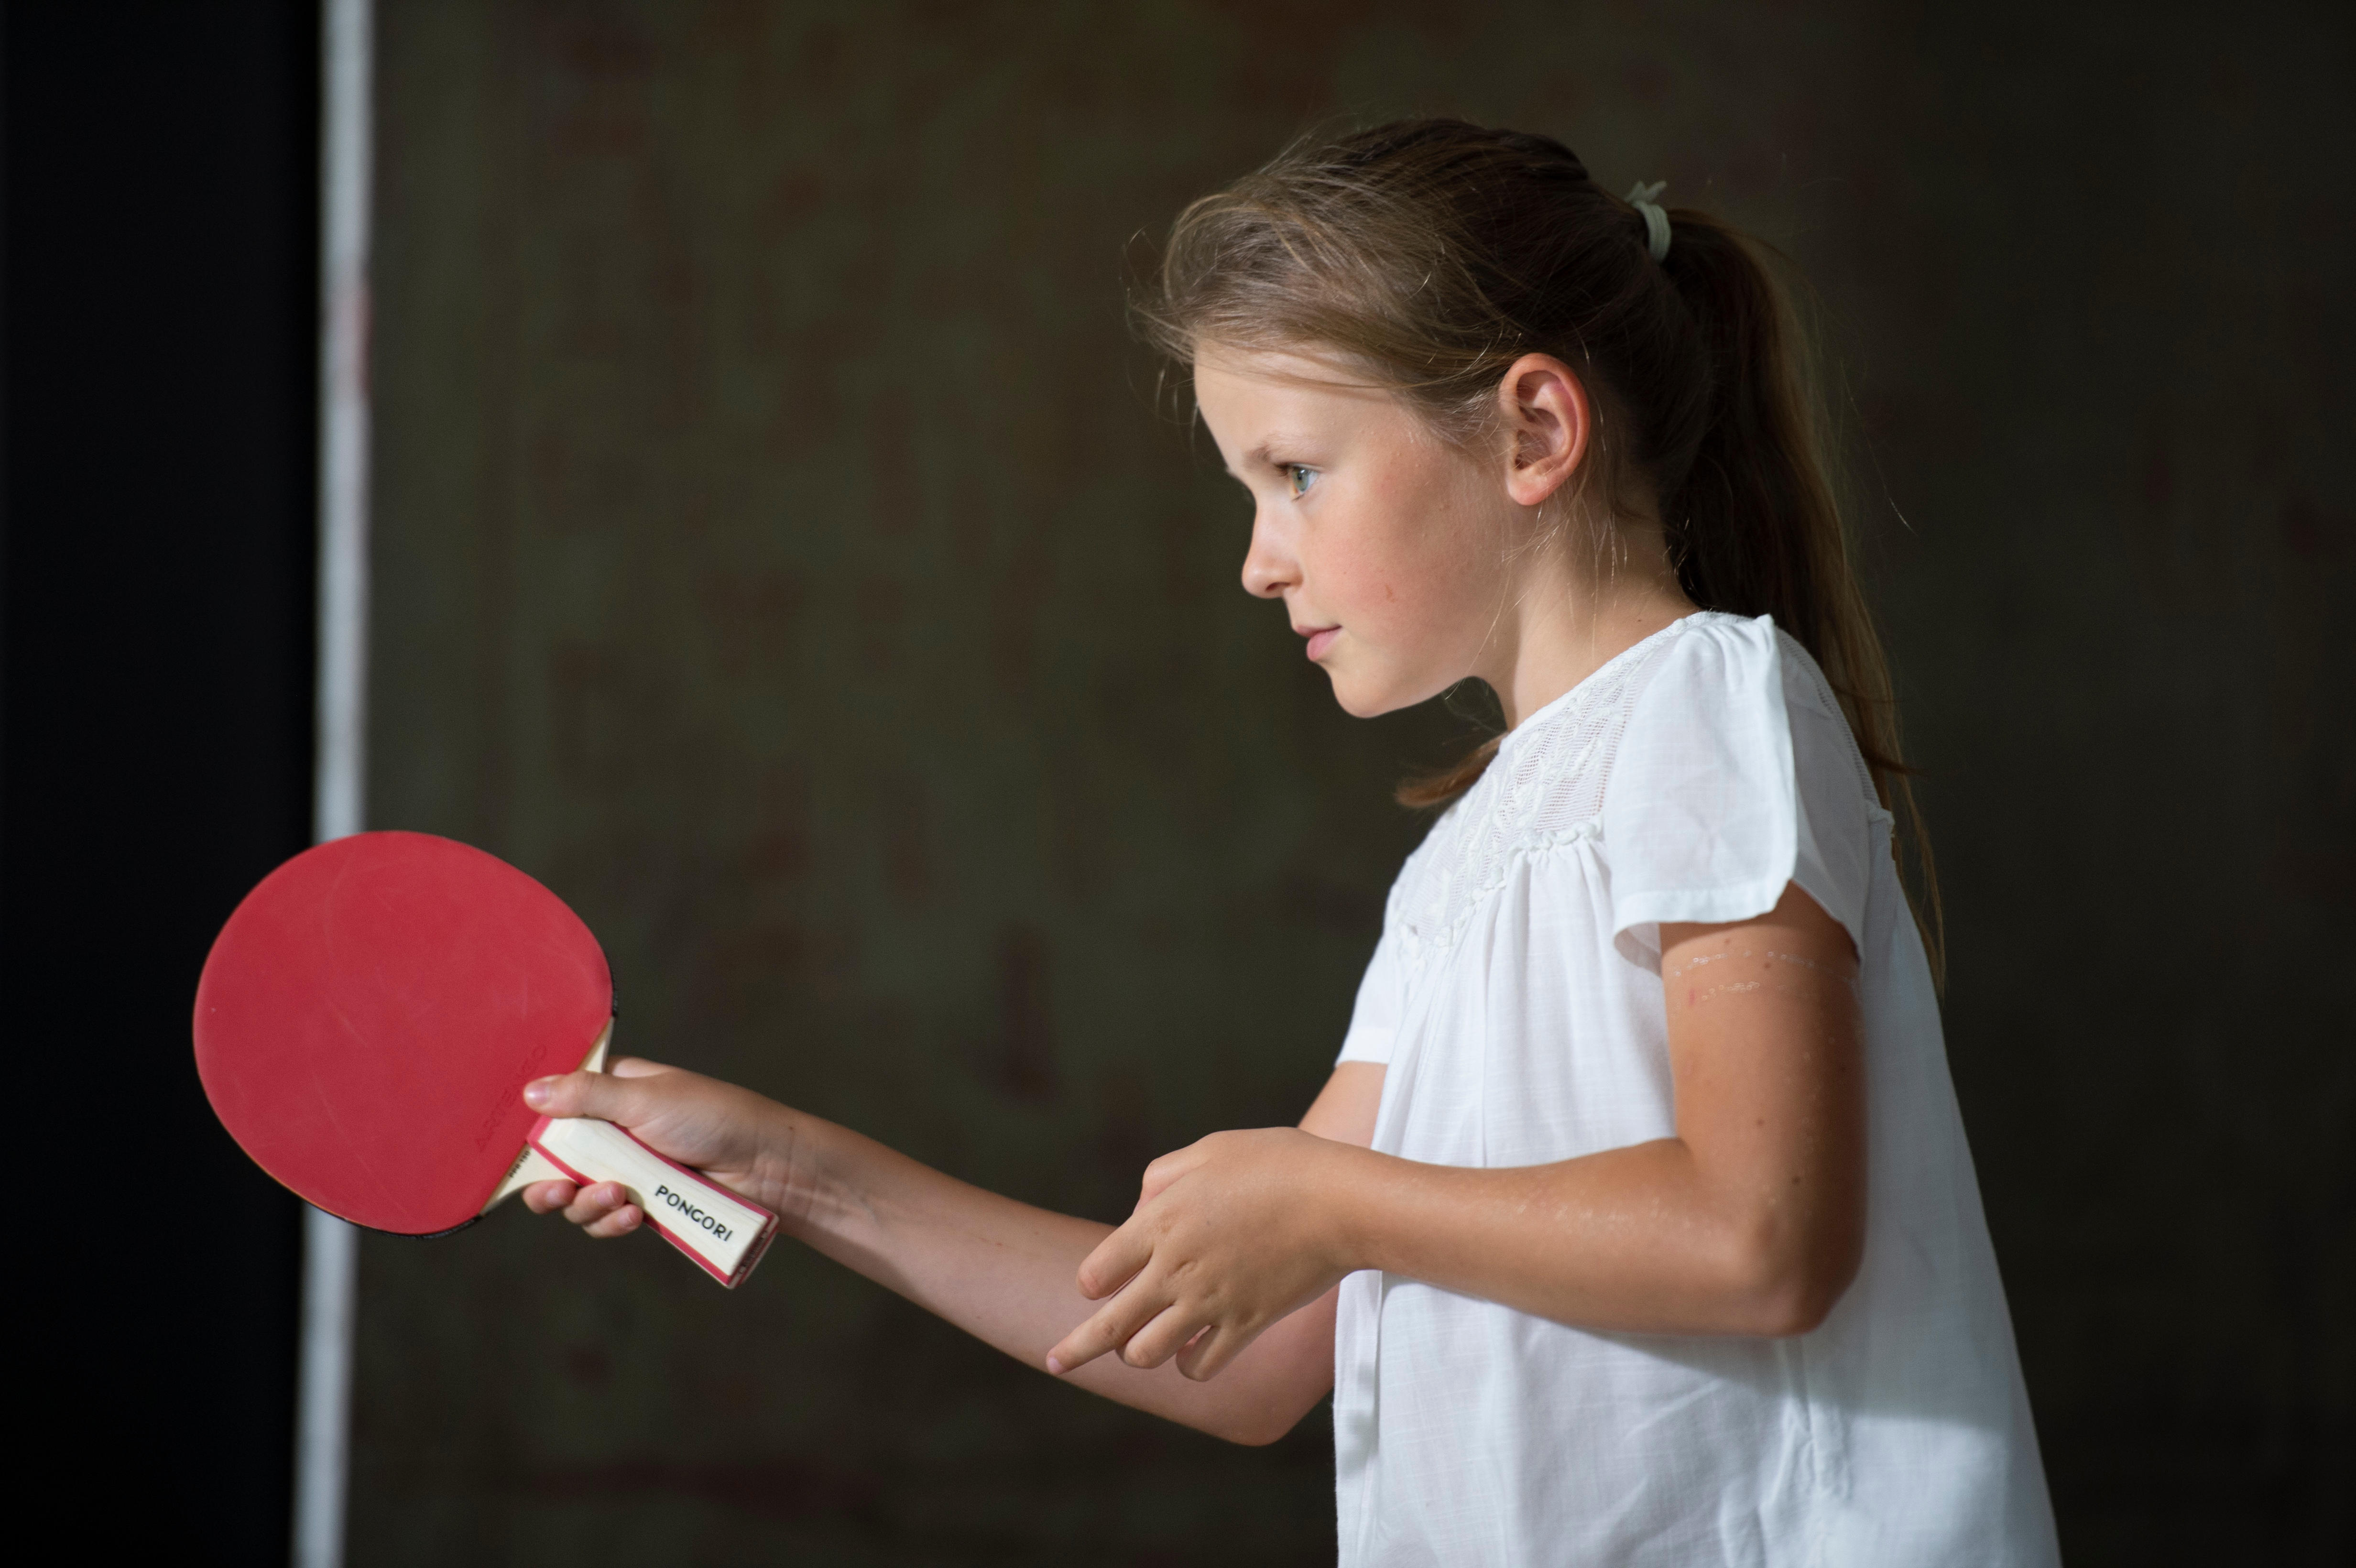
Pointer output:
x,y
1749,1219
1001,1270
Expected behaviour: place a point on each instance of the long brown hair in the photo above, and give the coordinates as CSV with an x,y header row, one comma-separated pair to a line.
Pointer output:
x,y
1433,254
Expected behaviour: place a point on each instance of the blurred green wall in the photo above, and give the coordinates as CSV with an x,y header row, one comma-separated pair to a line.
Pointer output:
x,y
782,552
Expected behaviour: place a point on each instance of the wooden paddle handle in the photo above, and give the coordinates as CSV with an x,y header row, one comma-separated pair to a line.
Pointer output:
x,y
722,1232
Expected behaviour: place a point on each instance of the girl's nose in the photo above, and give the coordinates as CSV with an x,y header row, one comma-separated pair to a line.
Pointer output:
x,y
1268,568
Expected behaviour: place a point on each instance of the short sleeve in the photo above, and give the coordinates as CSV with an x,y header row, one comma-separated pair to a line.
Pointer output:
x,y
1726,789
1382,997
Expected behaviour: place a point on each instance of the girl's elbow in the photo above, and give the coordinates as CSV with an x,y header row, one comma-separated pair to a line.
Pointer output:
x,y
1785,1291
1261,1431
1799,1307
1270,1414
1256,1427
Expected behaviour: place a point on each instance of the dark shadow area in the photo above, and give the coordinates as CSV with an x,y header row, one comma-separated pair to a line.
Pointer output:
x,y
161,219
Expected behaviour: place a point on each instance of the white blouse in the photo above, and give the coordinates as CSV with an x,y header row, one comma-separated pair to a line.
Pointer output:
x,y
1515,997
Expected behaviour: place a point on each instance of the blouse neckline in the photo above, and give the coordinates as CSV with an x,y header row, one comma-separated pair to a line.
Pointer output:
x,y
1590,682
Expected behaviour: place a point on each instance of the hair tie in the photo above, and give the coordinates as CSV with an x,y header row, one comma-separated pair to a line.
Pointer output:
x,y
1656,222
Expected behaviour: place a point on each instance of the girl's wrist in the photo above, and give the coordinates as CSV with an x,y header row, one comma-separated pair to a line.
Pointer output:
x,y
1346,1220
790,1174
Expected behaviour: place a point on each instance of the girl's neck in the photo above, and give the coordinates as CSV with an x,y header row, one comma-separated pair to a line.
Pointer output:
x,y
1563,627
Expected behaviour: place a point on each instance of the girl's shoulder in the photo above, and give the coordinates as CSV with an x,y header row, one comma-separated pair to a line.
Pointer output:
x,y
1727,696
1707,693
1735,774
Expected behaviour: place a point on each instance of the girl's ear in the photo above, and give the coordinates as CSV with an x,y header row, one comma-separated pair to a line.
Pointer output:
x,y
1547,418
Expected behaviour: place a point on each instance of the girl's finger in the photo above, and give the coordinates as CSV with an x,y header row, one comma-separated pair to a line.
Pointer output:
x,y
595,1202
548,1197
1119,1258
1108,1329
1208,1353
1165,1170
620,1223
1163,1337
621,1098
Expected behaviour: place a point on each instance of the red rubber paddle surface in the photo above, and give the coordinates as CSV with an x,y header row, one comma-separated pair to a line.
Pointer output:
x,y
369,1015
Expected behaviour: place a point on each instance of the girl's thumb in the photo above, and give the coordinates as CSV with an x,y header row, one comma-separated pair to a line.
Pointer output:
x,y
598,1095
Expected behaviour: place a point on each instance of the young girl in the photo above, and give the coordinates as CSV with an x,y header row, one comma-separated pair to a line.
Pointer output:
x,y
1635,1224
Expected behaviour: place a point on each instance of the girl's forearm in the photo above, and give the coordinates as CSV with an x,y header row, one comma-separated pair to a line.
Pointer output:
x,y
1004,1271
1636,1239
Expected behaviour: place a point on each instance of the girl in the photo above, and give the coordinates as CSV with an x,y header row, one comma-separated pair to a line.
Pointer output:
x,y
1635,1224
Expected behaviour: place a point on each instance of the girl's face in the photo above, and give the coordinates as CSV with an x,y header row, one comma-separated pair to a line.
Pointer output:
x,y
1387,545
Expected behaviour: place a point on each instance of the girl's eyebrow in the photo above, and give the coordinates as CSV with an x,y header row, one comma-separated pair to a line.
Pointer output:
x,y
1255,458
1261,453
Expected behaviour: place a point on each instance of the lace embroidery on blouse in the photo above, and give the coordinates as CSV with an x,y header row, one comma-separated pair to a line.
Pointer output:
x,y
1544,790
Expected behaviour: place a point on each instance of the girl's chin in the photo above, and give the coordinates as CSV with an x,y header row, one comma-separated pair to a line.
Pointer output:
x,y
1362,698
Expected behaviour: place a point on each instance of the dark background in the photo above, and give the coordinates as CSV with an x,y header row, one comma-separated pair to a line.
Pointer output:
x,y
780,550
160,340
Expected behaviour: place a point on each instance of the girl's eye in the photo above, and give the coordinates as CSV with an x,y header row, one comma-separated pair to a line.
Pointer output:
x,y
1300,477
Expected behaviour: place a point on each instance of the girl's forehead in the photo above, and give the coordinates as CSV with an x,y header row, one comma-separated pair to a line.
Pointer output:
x,y
1303,369
1264,385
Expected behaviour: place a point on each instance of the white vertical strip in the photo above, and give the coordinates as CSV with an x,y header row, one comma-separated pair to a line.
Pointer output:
x,y
330,1247
330,1268
344,423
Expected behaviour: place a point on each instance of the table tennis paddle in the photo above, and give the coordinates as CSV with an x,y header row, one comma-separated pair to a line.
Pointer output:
x,y
367,1021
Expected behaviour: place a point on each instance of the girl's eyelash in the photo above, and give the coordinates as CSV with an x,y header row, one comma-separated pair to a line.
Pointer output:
x,y
1299,475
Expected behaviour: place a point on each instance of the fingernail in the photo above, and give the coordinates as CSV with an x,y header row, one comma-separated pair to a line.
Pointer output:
x,y
536,1095
1055,1366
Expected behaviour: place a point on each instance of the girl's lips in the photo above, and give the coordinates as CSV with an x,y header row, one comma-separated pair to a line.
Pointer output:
x,y
1320,641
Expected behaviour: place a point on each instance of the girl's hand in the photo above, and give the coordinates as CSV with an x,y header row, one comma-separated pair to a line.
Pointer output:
x,y
715,1127
1229,1235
